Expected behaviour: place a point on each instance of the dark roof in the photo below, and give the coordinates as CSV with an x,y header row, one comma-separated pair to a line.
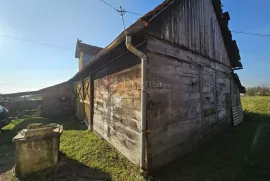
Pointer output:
x,y
139,25
231,45
236,79
144,21
88,49
20,93
156,10
54,86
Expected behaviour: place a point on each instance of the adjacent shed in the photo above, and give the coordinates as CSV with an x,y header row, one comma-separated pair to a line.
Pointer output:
x,y
164,84
54,100
16,102
57,99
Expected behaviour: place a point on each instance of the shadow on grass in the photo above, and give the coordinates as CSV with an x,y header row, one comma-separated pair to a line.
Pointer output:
x,y
243,153
68,170
7,151
7,148
68,121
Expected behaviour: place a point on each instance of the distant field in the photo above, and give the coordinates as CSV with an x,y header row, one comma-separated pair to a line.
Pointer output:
x,y
256,104
242,154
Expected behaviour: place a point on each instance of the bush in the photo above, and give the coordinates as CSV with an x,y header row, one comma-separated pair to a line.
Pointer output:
x,y
262,90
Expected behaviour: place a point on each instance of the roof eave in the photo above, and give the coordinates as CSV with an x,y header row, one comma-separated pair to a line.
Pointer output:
x,y
132,30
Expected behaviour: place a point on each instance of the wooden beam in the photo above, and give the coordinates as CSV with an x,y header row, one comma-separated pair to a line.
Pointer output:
x,y
83,107
91,88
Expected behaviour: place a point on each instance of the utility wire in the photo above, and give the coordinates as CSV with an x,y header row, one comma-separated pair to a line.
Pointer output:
x,y
133,13
55,46
253,34
122,11
31,41
109,5
119,11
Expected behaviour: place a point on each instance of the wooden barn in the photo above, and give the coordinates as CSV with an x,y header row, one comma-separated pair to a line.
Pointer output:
x,y
165,84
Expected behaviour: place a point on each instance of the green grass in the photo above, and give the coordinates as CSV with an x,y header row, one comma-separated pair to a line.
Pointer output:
x,y
80,149
257,105
243,153
96,153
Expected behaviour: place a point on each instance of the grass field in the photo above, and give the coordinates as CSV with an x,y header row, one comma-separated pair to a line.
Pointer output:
x,y
243,153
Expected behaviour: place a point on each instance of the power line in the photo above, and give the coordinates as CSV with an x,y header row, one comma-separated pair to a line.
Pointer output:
x,y
35,42
55,46
121,11
133,13
253,34
109,5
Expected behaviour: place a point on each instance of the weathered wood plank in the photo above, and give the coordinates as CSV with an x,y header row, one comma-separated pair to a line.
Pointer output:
x,y
166,138
190,90
117,112
195,25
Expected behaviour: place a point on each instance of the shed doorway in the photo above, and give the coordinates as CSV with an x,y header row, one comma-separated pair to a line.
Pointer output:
x,y
83,101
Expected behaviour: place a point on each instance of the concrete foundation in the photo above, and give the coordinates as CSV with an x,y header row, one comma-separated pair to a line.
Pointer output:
x,y
37,148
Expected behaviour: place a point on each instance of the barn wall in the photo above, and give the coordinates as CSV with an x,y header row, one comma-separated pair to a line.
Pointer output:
x,y
117,111
58,100
237,110
192,24
188,101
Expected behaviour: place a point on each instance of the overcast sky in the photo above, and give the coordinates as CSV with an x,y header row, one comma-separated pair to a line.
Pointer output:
x,y
27,66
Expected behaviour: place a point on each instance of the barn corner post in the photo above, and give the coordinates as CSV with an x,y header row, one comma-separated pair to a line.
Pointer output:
x,y
143,140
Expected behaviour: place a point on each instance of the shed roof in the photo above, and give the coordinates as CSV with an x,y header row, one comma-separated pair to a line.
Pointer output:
x,y
236,79
145,20
19,94
33,92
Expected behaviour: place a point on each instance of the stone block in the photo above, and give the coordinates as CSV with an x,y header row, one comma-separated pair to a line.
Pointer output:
x,y
36,149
